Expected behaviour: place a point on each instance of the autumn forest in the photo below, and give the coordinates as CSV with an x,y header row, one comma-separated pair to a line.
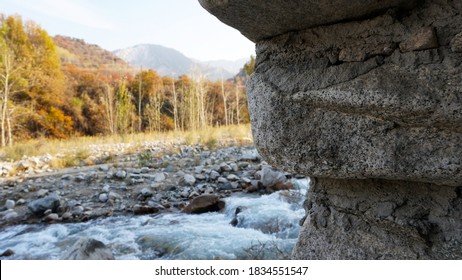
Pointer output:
x,y
55,88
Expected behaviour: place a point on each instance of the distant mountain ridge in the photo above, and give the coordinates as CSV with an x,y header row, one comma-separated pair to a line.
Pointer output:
x,y
89,57
168,62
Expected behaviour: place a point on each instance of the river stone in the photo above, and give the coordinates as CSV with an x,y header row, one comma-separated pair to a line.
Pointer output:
x,y
88,249
204,203
9,204
189,179
103,197
121,174
39,206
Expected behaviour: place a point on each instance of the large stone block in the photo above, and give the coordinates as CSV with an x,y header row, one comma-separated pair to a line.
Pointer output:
x,y
344,101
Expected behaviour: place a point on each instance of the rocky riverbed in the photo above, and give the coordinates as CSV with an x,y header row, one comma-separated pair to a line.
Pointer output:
x,y
190,179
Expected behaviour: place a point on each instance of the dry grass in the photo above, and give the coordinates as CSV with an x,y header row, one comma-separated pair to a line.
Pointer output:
x,y
74,151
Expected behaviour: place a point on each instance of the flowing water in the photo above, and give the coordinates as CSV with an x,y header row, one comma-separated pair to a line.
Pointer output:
x,y
267,228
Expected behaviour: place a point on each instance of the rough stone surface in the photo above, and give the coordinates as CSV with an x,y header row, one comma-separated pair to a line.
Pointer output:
x,y
260,19
372,90
343,101
391,220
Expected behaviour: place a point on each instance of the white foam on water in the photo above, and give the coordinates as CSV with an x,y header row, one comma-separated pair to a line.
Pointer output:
x,y
269,222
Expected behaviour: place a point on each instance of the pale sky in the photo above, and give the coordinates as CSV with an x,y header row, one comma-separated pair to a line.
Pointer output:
x,y
114,24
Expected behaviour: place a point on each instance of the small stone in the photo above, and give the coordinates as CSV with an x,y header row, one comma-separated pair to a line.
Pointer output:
x,y
144,209
170,168
234,167
67,216
104,168
42,192
52,217
47,212
80,177
232,177
114,196
200,177
77,210
145,192
121,174
225,168
145,169
222,180
189,179
214,175
198,169
159,177
10,215
9,204
21,201
66,177
106,188
103,197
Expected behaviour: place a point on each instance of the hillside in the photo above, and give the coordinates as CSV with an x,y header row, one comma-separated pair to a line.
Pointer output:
x,y
89,57
167,62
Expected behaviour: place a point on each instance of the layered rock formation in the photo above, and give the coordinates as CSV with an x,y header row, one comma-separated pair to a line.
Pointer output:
x,y
372,90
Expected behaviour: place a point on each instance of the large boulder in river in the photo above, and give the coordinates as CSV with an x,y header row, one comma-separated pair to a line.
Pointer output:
x,y
88,249
204,203
361,89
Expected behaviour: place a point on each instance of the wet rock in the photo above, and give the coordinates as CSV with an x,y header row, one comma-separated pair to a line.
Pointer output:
x,y
7,253
145,209
39,206
88,249
9,204
53,217
274,180
203,204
